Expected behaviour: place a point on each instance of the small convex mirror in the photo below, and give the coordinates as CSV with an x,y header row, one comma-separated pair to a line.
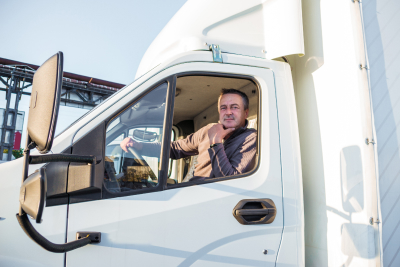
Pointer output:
x,y
32,194
45,102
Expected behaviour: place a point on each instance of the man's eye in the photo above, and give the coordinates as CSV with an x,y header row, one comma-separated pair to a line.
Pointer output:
x,y
223,108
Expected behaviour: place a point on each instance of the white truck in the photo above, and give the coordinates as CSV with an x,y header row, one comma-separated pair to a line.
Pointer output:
x,y
321,193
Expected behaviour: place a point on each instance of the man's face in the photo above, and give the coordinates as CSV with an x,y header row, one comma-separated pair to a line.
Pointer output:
x,y
231,111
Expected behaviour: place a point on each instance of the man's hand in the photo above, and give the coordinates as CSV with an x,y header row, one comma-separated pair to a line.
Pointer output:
x,y
129,142
217,132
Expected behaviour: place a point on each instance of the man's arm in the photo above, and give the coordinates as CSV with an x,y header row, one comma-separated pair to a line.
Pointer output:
x,y
242,160
186,147
179,149
146,149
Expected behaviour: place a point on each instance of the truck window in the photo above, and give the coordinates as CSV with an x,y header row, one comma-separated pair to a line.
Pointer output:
x,y
134,137
196,107
135,168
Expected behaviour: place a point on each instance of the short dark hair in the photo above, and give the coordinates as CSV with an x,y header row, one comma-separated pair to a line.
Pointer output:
x,y
245,99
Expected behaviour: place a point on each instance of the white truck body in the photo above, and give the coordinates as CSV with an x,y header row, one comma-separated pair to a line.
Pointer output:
x,y
335,207
382,25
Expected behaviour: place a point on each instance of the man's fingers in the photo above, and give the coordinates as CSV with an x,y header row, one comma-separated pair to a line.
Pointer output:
x,y
127,142
123,146
217,132
229,130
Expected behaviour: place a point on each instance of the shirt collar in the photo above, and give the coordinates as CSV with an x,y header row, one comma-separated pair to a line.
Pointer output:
x,y
239,130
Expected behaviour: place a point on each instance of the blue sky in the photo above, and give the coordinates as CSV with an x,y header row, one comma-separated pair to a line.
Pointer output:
x,y
100,39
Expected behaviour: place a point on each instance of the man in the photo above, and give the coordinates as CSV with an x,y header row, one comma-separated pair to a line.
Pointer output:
x,y
224,148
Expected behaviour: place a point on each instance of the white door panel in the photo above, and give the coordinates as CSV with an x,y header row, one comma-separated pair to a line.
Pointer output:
x,y
187,225
193,225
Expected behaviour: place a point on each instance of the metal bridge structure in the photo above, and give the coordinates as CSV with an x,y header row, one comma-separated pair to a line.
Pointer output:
x,y
16,80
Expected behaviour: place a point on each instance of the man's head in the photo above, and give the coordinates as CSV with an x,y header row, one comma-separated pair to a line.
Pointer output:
x,y
233,108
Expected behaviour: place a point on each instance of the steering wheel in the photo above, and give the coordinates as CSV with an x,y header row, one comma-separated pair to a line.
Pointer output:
x,y
141,161
138,156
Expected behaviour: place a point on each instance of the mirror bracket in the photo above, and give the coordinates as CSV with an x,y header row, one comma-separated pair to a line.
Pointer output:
x,y
63,158
46,244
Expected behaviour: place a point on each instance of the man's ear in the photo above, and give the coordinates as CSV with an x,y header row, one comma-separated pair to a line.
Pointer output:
x,y
246,113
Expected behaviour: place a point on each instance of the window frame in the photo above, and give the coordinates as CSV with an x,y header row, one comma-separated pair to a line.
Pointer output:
x,y
257,156
171,164
167,129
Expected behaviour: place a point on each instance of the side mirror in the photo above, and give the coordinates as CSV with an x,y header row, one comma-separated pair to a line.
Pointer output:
x,y
43,112
32,194
45,102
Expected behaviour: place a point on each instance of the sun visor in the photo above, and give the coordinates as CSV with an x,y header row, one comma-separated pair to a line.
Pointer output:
x,y
265,29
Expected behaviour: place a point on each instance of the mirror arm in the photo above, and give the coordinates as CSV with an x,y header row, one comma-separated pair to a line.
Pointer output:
x,y
25,168
28,147
63,158
46,244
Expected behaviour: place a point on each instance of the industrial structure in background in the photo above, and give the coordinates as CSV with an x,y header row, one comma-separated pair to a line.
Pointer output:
x,y
16,79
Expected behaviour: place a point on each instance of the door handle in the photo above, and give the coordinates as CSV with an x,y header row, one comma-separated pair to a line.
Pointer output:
x,y
244,212
255,211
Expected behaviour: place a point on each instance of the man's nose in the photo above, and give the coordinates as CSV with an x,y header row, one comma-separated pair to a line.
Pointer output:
x,y
228,111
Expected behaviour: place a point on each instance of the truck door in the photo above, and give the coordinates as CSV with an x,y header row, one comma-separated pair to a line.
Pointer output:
x,y
147,214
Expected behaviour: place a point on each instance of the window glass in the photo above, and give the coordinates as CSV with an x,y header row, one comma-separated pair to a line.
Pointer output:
x,y
113,124
133,144
148,135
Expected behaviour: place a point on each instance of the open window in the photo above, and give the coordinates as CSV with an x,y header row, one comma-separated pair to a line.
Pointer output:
x,y
196,106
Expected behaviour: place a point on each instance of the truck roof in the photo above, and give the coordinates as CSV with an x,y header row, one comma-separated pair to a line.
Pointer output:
x,y
264,29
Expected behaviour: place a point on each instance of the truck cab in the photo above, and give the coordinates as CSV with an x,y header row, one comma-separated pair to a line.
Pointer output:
x,y
144,207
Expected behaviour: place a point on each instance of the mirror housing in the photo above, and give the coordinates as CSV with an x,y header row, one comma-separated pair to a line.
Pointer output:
x,y
45,102
32,194
43,112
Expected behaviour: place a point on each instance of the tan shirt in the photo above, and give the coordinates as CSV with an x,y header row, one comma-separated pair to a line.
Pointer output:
x,y
235,156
